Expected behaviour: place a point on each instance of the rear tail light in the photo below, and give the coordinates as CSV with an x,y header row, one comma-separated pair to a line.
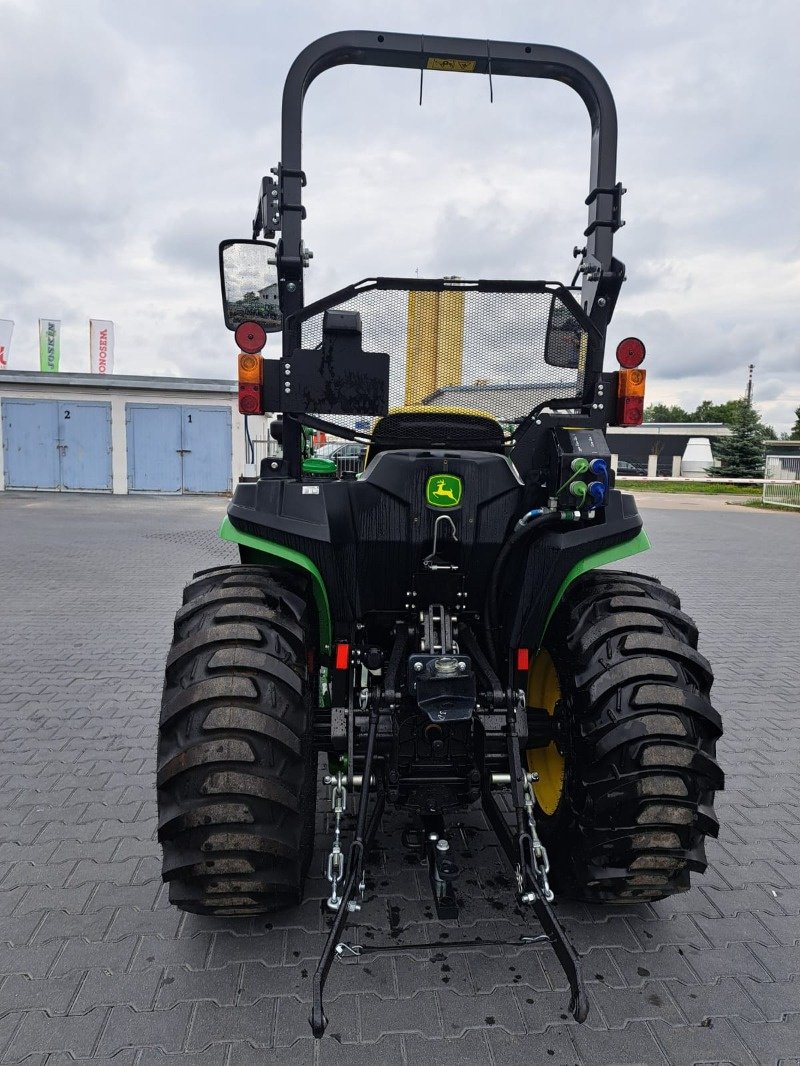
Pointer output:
x,y
251,369
630,382
630,397
342,656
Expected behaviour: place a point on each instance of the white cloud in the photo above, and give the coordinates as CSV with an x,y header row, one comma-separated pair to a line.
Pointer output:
x,y
135,137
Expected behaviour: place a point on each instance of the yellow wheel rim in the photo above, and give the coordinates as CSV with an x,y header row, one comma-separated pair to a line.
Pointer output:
x,y
544,690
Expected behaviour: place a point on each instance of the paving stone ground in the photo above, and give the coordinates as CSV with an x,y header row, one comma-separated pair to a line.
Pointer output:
x,y
97,967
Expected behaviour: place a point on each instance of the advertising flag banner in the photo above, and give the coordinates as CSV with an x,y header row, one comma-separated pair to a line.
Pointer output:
x,y
101,346
6,329
49,344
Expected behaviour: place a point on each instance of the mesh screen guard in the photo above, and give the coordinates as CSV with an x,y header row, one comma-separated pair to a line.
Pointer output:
x,y
497,347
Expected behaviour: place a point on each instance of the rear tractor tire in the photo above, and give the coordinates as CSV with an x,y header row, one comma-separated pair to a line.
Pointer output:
x,y
236,761
625,795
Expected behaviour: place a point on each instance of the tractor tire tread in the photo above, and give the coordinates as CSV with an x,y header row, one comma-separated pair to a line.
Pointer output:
x,y
642,769
236,772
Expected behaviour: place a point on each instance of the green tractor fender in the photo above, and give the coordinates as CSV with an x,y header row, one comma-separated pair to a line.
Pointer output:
x,y
639,543
272,551
278,552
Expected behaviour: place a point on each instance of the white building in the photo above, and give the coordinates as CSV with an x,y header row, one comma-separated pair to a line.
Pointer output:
x,y
120,433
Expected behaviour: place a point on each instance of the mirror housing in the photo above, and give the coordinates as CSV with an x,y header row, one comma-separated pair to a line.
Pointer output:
x,y
249,281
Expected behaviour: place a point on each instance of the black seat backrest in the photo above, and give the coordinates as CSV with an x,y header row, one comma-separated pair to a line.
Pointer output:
x,y
459,430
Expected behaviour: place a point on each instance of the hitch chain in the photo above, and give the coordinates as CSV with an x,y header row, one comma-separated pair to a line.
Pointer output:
x,y
335,873
539,859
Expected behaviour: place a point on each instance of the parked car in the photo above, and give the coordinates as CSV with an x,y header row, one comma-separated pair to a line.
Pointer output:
x,y
349,457
626,469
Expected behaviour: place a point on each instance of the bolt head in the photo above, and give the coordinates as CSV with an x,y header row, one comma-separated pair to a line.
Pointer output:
x,y
418,667
442,845
528,897
290,286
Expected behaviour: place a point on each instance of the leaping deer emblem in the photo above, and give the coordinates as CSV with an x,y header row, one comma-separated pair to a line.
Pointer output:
x,y
440,490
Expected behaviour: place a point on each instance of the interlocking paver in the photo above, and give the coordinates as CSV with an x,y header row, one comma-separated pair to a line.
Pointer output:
x,y
40,1032
179,984
22,992
713,1040
96,967
164,1029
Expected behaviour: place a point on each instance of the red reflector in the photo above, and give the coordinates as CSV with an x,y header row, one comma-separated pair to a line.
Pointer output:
x,y
250,337
630,352
342,660
522,659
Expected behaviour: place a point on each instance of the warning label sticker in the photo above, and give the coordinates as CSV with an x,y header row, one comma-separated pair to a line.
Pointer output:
x,y
460,66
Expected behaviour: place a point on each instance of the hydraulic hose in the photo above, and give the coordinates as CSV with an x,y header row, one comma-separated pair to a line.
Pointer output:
x,y
529,526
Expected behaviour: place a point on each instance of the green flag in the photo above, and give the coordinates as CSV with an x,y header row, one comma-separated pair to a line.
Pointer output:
x,y
49,344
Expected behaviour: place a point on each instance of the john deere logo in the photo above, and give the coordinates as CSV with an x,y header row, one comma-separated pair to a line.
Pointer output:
x,y
444,490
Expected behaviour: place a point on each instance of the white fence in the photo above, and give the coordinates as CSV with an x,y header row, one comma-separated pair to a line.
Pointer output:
x,y
782,480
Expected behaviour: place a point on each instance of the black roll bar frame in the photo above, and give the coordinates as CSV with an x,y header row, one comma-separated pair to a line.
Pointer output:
x,y
281,202
416,52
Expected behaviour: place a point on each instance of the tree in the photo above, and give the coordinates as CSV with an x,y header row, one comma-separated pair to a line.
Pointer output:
x,y
706,411
794,432
727,413
742,453
661,412
716,412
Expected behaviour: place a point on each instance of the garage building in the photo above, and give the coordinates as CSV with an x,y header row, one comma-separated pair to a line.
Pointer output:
x,y
98,433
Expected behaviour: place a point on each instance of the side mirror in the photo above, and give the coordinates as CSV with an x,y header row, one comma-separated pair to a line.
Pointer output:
x,y
565,342
249,284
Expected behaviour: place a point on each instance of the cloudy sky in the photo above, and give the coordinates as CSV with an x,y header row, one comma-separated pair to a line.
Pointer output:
x,y
135,136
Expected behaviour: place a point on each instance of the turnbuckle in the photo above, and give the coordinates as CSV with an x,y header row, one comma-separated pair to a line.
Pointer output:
x,y
364,835
540,863
335,869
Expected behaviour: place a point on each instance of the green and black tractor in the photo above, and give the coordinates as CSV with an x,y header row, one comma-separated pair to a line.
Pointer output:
x,y
438,624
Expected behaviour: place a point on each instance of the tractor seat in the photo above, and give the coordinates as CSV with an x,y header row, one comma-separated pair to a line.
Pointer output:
x,y
421,427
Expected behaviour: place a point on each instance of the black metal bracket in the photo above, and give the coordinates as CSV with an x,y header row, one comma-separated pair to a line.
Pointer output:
x,y
272,201
616,192
267,218
442,871
429,840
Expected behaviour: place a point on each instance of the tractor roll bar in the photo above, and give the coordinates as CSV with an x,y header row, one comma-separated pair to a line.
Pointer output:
x,y
467,56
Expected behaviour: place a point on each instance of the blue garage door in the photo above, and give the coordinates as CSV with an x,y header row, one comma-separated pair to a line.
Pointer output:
x,y
154,448
51,444
206,449
85,445
173,448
